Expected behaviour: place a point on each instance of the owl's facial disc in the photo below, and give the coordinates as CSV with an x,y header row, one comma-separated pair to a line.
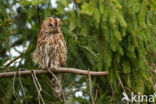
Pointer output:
x,y
56,24
52,26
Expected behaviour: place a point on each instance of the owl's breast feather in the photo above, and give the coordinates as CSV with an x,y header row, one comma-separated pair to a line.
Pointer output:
x,y
51,51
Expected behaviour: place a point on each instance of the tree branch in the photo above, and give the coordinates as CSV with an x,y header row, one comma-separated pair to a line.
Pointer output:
x,y
11,61
57,70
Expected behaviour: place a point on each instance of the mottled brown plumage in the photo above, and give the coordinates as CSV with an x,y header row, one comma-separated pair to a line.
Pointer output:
x,y
51,51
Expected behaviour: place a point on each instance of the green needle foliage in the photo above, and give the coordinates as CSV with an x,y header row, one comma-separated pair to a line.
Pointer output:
x,y
118,36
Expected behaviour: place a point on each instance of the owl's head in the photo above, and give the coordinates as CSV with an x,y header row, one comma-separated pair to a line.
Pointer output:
x,y
52,25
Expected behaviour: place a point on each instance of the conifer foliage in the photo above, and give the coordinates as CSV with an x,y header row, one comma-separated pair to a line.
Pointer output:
x,y
118,36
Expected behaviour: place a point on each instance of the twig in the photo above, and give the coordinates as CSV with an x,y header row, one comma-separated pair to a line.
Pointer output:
x,y
121,84
112,92
13,88
96,95
49,86
124,90
16,58
11,61
22,86
44,90
88,50
57,70
38,86
90,87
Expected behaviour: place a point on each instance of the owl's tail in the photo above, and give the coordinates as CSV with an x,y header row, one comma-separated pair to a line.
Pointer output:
x,y
56,80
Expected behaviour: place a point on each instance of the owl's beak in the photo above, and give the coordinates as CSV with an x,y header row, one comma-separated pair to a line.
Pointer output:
x,y
55,28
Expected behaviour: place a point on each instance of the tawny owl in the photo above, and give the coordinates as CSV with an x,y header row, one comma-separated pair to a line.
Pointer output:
x,y
51,51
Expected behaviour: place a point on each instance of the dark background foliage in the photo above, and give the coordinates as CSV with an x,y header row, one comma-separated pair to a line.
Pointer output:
x,y
117,36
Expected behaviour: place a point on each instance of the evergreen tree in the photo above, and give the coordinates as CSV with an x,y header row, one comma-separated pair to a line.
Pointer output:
x,y
118,36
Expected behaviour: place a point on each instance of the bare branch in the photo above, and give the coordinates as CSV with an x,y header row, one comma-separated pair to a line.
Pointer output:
x,y
90,87
38,87
57,70
96,95
23,91
13,88
11,61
